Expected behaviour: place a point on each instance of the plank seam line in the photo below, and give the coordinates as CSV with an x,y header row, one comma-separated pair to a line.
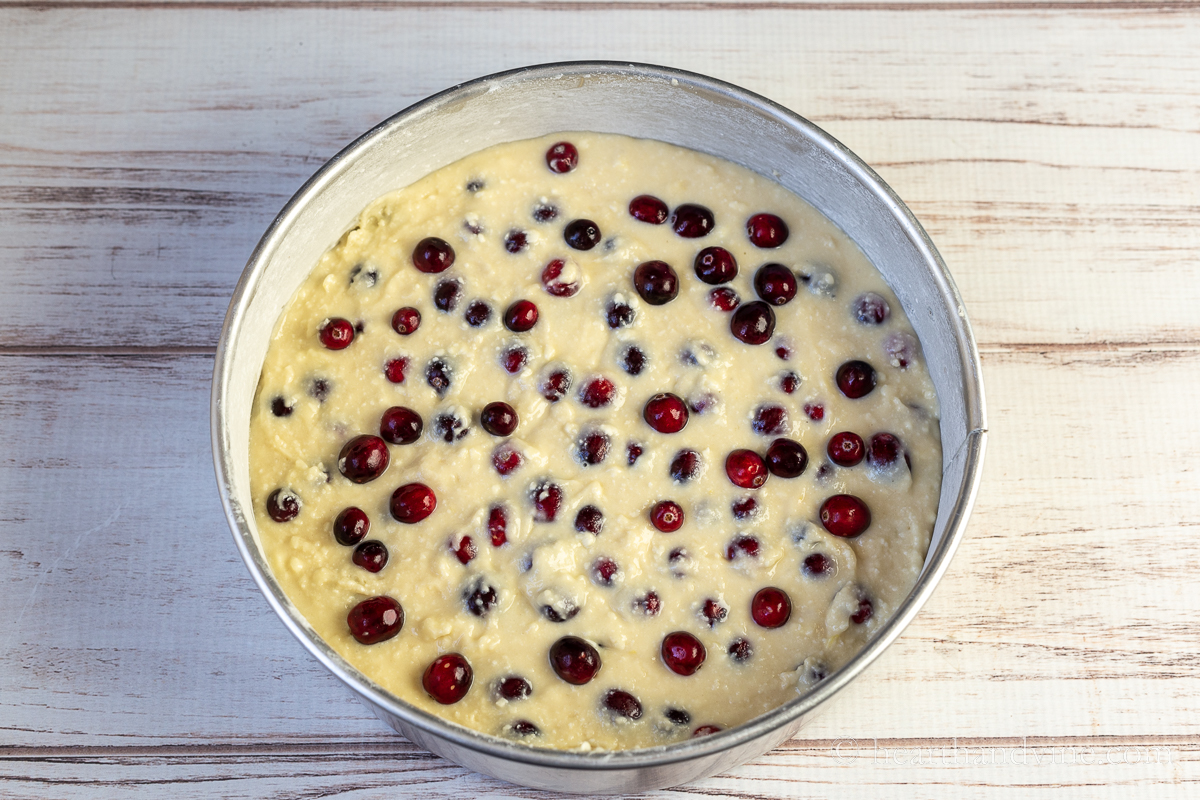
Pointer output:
x,y
1163,6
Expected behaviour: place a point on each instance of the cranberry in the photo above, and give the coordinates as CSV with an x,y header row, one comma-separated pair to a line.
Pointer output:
x,y
480,597
715,265
683,653
900,349
648,604
856,379
448,678
692,221
783,352
706,730
547,499
371,555
789,382
677,716
320,389
744,508
864,611
582,234
771,607
521,316
556,385
623,703
400,425
845,515
438,375
562,157
714,612
633,360
742,547
478,313
845,448
473,226
569,610
514,687
283,505
702,404
555,284
656,282
666,413
412,503
597,392
818,565
375,620
475,185
593,448
604,570
724,299
506,459
406,320
545,213
447,294
746,469
814,411
395,368
466,550
589,520
647,208
885,451
633,451
523,728
364,458
770,420
685,466
766,230
449,428
679,558
666,516
775,284
498,525
515,241
871,309
753,323
741,650
514,359
574,660
363,278
498,419
787,458
619,315
280,408
351,526
433,255
337,334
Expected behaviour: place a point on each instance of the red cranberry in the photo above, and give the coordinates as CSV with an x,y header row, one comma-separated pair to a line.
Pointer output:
x,y
506,459
845,448
783,352
685,466
466,550
545,213
666,413
412,503
723,299
787,458
554,283
498,419
514,687
771,607
900,349
562,157
818,565
744,508
775,284
692,221
706,730
375,620
871,309
556,385
746,469
633,360
814,411
604,570
789,382
633,451
477,313
845,515
514,359
742,547
766,230
574,660
582,234
371,555
667,516
521,316
280,408
473,227
885,451
619,315
714,612
515,241
597,392
394,369
337,334
856,379
364,458
449,428
677,716
438,375
400,425
770,420
623,703
753,323
351,526
715,265
741,650
547,499
589,520
448,678
683,653
864,611
647,208
656,282
593,448
447,294
648,604
283,505
432,255
498,525
406,320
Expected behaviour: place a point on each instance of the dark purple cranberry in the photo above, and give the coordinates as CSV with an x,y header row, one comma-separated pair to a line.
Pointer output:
x,y
845,515
506,459
741,651
438,375
562,157
692,221
742,547
789,382
406,320
375,620
706,730
514,687
478,313
783,352
633,451
498,525
685,466
556,385
514,359
775,284
555,284
623,703
871,309
412,503
582,234
523,728
351,526
771,607
619,315
647,208
703,403
400,425
665,413
656,282
283,505
744,508
786,458
473,227
320,389
648,604
475,185
364,458
864,611
900,349
714,612
449,428
433,255
845,449
521,316
465,551
724,299
481,598
598,392
280,408
856,379
515,241
545,213
567,610
818,565
677,716
633,360
448,679
604,570
589,520
885,451
498,419
371,555
364,278
683,653
766,230
746,469
666,516
547,500
337,334
715,265
574,660
770,420
814,411
753,323
394,370
593,447
447,294
679,558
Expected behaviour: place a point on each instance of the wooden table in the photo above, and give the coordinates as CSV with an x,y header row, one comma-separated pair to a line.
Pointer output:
x,y
1051,149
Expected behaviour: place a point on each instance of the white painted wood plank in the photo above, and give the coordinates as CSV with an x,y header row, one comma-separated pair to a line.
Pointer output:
x,y
1053,155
